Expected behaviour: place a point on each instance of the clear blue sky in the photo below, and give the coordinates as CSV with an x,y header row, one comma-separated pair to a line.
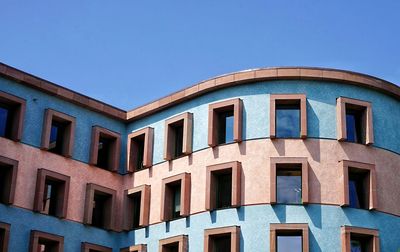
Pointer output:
x,y
129,52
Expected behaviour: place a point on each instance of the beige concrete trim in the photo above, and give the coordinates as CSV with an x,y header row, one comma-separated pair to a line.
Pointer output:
x,y
187,120
288,228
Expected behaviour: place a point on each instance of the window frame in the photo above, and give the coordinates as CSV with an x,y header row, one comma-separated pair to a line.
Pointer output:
x,y
135,248
169,140
9,199
51,115
274,98
6,228
214,109
18,117
87,246
275,162
91,189
98,131
341,103
347,231
236,170
144,191
275,228
147,152
42,175
182,241
234,232
345,166
166,201
36,235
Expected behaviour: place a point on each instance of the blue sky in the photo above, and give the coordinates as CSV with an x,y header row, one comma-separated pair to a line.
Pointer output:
x,y
128,52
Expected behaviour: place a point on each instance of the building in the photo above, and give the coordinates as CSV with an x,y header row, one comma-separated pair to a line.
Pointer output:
x,y
278,159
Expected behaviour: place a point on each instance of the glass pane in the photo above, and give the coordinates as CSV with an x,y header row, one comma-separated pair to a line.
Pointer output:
x,y
229,129
353,197
287,121
356,246
176,207
289,244
178,141
288,186
225,127
351,128
3,121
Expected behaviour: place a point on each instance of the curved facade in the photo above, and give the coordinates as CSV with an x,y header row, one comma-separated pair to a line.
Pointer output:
x,y
240,162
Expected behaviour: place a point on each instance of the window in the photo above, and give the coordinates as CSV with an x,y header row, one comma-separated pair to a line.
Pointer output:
x,y
178,136
140,149
289,237
105,148
174,244
89,247
41,241
225,239
223,185
99,206
8,179
357,239
289,180
137,207
58,133
12,111
359,185
51,195
175,197
354,121
288,116
4,236
225,122
135,248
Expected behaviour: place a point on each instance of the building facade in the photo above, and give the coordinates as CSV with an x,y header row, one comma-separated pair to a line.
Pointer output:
x,y
278,159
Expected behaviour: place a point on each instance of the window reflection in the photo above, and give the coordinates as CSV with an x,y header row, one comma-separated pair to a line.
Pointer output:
x,y
287,121
289,243
288,186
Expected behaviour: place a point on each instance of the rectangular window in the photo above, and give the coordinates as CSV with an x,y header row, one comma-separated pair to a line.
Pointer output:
x,y
288,116
99,206
289,237
225,122
357,239
137,207
135,248
90,247
41,241
289,180
105,149
12,110
4,236
176,197
140,149
8,178
288,184
223,185
174,244
354,121
58,133
225,239
178,136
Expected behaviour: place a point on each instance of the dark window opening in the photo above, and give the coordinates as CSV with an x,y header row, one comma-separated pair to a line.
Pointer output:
x,y
172,247
287,118
360,243
177,138
137,152
288,184
225,127
135,200
358,189
45,245
176,200
105,152
2,238
101,209
51,199
355,125
224,189
221,243
6,180
6,120
57,137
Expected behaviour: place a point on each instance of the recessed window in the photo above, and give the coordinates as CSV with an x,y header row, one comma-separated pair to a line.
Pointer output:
x,y
288,116
176,197
289,180
12,110
359,184
52,191
8,179
178,136
90,247
135,248
224,239
225,122
354,121
137,207
41,241
174,244
357,239
289,237
140,149
223,185
58,133
105,149
4,236
99,206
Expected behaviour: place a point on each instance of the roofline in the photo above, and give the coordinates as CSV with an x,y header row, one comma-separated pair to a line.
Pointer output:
x,y
219,82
